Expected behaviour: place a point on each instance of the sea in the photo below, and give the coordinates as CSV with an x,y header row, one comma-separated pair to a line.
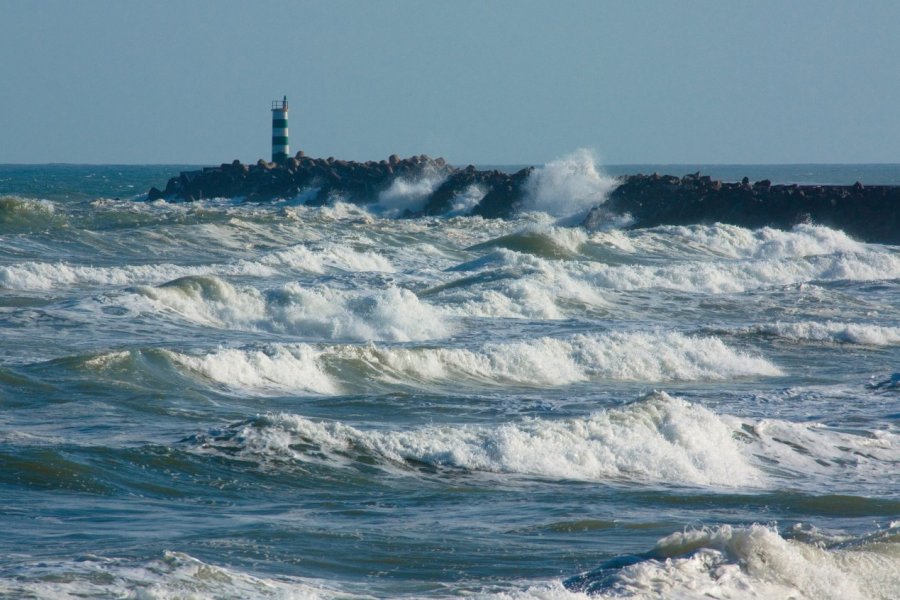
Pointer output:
x,y
223,399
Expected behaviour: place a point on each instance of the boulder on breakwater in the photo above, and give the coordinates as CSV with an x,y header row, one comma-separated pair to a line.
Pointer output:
x,y
868,213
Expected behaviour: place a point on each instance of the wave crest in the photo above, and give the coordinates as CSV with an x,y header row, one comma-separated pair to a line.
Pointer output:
x,y
656,438
726,562
392,314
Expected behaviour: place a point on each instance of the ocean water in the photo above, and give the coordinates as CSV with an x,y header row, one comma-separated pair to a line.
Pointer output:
x,y
229,400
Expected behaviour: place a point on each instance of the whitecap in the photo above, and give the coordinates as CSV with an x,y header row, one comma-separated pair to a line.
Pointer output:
x,y
754,561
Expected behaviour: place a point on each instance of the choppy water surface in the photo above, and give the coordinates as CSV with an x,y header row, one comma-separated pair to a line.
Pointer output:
x,y
274,401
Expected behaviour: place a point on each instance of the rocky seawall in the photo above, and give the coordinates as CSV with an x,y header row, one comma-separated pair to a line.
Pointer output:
x,y
322,180
868,213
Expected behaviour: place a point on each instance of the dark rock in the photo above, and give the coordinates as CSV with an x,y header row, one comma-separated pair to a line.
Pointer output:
x,y
868,213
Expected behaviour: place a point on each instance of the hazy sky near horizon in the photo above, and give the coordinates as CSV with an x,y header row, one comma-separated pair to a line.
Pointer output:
x,y
499,82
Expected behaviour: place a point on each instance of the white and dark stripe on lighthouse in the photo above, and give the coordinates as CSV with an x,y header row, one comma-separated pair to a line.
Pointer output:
x,y
280,147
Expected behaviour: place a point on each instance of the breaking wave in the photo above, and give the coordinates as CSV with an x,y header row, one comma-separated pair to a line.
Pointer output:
x,y
534,285
657,438
174,575
732,241
391,314
26,215
542,362
41,276
540,240
831,331
755,561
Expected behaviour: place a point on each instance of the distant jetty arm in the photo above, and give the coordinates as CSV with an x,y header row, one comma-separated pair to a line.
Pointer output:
x,y
868,213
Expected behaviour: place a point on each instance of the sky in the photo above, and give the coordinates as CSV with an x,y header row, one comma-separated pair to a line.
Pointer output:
x,y
483,82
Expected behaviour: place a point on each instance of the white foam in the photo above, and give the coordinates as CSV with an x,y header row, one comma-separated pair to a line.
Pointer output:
x,y
568,186
37,276
206,300
739,276
175,575
13,208
808,454
463,202
732,241
521,286
409,193
329,258
392,314
658,438
757,562
831,331
628,356
541,362
274,369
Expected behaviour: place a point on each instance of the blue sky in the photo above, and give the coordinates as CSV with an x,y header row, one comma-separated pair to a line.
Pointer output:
x,y
481,82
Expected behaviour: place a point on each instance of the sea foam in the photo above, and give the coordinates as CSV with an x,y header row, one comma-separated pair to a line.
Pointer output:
x,y
807,454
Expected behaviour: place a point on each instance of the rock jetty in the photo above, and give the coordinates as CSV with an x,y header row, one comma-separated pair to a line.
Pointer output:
x,y
868,213
359,182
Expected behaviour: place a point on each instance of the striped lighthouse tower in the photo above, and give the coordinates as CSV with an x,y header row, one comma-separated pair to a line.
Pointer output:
x,y
280,148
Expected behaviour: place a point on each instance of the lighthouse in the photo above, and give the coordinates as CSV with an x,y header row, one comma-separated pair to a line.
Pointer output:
x,y
280,147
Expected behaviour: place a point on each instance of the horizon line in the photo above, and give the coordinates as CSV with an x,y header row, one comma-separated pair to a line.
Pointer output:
x,y
464,163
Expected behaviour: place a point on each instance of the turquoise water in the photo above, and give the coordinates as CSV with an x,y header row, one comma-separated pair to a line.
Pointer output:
x,y
277,401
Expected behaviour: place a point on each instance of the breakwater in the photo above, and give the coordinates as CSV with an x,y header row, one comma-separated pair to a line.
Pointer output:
x,y
869,213
359,182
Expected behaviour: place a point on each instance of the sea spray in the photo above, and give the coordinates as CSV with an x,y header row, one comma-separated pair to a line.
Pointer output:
x,y
568,186
410,193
